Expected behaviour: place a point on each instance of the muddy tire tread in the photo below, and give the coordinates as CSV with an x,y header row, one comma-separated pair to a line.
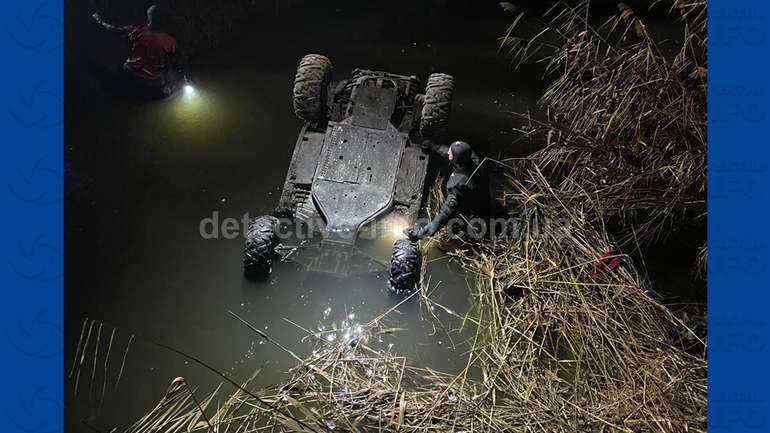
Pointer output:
x,y
437,106
261,240
405,267
313,73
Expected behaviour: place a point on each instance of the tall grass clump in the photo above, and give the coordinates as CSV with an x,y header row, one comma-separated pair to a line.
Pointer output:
x,y
624,125
565,341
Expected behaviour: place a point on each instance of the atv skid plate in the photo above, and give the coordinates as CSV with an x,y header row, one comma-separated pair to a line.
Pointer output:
x,y
342,180
353,169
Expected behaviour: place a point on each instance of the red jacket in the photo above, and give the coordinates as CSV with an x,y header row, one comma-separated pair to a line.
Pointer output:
x,y
149,54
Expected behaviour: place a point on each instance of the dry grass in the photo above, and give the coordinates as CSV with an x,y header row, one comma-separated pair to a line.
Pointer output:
x,y
625,125
563,345
581,346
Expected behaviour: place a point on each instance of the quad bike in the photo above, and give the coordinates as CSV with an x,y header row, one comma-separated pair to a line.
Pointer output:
x,y
354,165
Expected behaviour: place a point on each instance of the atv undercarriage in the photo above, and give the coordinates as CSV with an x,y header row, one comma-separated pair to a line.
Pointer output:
x,y
354,164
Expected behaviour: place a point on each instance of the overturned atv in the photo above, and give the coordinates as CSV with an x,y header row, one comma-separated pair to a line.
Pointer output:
x,y
354,164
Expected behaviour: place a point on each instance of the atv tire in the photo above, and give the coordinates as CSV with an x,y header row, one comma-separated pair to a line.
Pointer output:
x,y
310,87
261,240
405,267
437,105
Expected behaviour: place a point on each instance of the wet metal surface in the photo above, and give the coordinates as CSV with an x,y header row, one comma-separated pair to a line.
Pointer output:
x,y
355,177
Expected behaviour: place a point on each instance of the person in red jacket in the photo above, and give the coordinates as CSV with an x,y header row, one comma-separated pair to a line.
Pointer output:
x,y
152,59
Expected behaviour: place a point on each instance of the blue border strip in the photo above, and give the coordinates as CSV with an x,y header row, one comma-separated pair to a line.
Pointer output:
x,y
31,187
738,216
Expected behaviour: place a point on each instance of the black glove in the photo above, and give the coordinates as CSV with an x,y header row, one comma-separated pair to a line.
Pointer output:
x,y
418,232
412,234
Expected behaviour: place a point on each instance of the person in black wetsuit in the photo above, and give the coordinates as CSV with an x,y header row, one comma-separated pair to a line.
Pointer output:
x,y
464,188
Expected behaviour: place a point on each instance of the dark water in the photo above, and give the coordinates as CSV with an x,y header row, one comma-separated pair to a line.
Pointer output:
x,y
146,174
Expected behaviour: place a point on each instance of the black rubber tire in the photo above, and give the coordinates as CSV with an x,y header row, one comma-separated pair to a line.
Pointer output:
x,y
261,240
405,267
357,74
437,107
313,76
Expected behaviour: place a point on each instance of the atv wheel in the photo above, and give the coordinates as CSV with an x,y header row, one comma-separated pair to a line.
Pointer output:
x,y
405,267
313,75
261,240
437,106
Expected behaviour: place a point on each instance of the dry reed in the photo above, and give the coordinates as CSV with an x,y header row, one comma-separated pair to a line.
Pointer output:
x,y
625,124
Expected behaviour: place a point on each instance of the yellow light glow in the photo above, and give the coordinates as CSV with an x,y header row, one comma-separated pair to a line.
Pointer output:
x,y
397,227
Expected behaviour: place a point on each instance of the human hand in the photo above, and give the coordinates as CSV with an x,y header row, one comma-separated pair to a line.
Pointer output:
x,y
412,234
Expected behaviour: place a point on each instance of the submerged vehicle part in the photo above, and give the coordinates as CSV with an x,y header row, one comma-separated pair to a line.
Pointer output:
x,y
405,267
354,162
331,258
261,240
